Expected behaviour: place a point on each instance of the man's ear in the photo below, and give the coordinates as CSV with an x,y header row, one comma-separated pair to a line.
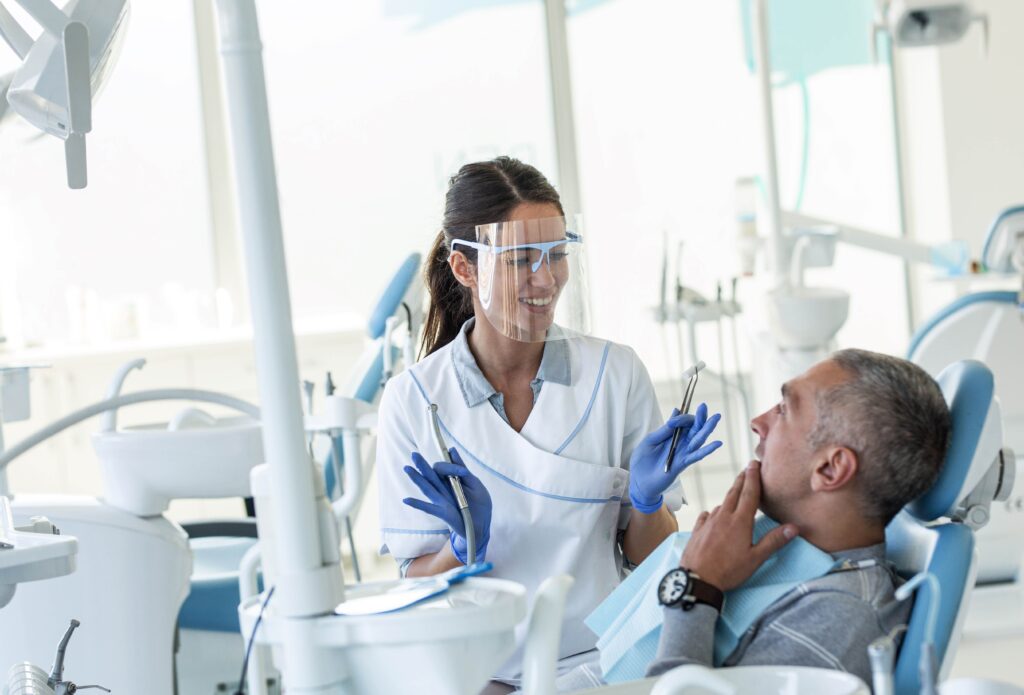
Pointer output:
x,y
462,269
836,471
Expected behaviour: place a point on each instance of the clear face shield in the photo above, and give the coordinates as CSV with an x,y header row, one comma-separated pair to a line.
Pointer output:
x,y
531,278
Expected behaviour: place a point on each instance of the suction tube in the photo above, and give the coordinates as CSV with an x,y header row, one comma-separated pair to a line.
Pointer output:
x,y
460,495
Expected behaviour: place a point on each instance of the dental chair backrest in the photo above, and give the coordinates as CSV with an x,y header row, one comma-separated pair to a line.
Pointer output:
x,y
1004,244
973,474
400,298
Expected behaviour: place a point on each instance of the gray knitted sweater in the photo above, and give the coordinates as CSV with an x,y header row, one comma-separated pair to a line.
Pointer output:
x,y
826,623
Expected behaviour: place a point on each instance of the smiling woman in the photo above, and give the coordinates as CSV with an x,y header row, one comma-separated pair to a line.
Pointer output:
x,y
554,432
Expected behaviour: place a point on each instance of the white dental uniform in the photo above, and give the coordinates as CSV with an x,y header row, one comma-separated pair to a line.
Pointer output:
x,y
559,488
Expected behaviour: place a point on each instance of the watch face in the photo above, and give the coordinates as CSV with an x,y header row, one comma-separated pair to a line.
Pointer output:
x,y
673,587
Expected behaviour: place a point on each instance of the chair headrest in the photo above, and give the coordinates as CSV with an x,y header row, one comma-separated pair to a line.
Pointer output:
x,y
391,299
1002,239
969,390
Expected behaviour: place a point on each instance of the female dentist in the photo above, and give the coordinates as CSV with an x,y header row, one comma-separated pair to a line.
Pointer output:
x,y
550,430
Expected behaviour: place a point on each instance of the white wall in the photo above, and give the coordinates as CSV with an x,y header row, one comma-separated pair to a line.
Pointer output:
x,y
962,138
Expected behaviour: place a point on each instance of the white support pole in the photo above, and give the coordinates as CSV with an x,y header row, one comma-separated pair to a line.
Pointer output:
x,y
777,264
901,182
302,589
49,16
11,32
224,237
561,104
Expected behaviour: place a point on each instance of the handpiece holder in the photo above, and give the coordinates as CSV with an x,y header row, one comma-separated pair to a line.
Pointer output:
x,y
882,656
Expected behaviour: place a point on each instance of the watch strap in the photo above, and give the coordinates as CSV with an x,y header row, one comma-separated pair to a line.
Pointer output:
x,y
699,591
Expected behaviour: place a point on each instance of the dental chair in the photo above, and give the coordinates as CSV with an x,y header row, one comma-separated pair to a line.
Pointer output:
x,y
935,533
209,615
989,327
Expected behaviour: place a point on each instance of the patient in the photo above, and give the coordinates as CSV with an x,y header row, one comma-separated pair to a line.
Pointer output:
x,y
852,441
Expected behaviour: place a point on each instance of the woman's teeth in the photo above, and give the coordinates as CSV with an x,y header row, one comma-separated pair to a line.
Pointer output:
x,y
538,301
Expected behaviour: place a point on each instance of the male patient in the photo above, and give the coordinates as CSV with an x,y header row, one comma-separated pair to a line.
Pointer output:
x,y
852,441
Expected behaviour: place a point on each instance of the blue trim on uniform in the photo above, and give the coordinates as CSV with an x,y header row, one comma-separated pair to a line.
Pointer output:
x,y
590,406
965,301
1016,209
415,532
501,476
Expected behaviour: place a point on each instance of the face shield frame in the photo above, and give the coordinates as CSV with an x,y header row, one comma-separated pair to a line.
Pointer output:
x,y
532,287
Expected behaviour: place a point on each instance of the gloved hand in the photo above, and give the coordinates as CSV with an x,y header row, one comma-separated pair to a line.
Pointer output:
x,y
433,482
647,476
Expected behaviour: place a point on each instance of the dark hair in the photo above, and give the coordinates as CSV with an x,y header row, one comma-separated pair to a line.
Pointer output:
x,y
892,414
480,193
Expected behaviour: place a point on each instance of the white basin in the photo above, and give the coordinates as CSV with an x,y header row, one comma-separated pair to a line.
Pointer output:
x,y
763,680
145,467
806,317
449,645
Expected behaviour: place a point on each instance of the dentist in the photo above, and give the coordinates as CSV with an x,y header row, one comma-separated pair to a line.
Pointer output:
x,y
555,435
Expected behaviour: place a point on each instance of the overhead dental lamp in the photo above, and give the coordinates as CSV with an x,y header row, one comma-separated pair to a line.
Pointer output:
x,y
913,23
64,68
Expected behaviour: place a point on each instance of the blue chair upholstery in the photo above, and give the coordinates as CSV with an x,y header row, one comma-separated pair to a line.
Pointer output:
x,y
391,299
943,548
369,385
212,603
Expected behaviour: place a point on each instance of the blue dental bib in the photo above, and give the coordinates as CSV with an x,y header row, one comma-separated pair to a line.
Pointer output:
x,y
628,622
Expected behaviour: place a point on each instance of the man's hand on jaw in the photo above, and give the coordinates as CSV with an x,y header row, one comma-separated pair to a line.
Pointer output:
x,y
720,551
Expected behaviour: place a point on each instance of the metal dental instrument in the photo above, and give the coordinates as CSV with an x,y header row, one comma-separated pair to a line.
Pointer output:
x,y
460,495
691,385
57,672
56,679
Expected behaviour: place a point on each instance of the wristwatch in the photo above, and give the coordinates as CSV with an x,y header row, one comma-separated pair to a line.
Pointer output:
x,y
683,588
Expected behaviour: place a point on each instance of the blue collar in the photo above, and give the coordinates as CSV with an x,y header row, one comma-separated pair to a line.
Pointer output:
x,y
554,367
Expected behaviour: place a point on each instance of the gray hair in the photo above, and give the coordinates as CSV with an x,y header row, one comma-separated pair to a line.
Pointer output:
x,y
892,414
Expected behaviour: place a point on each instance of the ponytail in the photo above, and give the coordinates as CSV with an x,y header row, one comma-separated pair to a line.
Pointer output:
x,y
451,304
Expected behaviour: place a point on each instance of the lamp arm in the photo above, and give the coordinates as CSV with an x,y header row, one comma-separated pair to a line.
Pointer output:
x,y
894,246
49,16
12,32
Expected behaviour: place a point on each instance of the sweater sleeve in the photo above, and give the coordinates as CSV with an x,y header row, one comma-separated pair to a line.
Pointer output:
x,y
687,637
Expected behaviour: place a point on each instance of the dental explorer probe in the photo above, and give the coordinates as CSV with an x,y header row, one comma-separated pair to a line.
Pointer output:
x,y
691,385
460,495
